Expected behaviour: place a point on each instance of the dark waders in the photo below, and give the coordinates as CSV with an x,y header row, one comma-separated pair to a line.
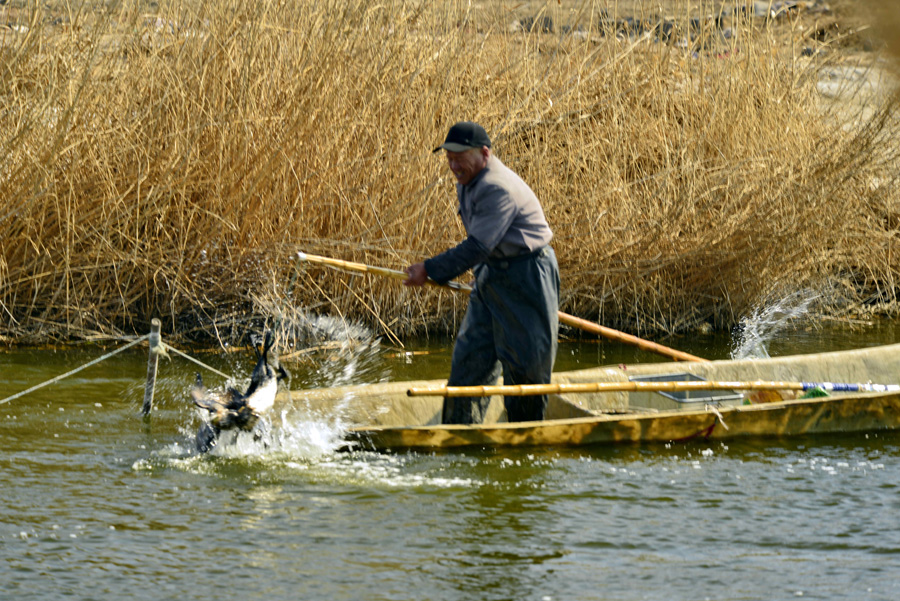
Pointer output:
x,y
511,327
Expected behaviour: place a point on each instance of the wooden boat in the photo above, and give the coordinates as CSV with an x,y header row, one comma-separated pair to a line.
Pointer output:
x,y
383,417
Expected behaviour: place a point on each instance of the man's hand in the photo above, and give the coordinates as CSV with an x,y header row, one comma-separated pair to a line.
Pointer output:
x,y
417,275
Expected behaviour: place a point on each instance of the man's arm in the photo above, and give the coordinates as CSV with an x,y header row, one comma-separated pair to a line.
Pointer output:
x,y
449,264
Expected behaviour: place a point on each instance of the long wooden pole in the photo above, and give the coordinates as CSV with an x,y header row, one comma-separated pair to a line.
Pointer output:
x,y
152,361
535,389
646,345
570,320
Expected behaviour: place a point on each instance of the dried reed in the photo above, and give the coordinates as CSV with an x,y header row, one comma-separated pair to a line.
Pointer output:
x,y
172,164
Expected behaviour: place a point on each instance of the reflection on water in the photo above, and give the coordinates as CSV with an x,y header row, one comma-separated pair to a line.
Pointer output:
x,y
114,506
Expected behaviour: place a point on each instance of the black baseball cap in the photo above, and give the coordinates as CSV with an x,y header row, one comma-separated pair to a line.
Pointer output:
x,y
463,136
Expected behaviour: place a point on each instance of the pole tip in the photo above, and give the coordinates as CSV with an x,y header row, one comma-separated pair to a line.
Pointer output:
x,y
301,255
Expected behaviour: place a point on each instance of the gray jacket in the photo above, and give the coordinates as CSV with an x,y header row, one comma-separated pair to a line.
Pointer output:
x,y
503,218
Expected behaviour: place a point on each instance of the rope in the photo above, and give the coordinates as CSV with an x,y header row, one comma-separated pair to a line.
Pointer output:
x,y
157,347
163,348
76,370
718,416
198,362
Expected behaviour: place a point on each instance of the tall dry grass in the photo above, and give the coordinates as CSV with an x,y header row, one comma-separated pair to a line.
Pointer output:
x,y
172,164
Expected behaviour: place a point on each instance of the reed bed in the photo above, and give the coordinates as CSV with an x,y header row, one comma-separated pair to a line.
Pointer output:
x,y
170,161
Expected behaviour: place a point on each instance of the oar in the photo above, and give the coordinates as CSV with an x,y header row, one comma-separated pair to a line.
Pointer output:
x,y
535,389
571,320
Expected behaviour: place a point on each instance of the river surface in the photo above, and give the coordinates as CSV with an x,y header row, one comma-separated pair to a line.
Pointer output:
x,y
98,503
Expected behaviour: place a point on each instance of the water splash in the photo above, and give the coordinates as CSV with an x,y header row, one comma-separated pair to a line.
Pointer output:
x,y
298,445
341,351
346,363
757,331
332,352
292,434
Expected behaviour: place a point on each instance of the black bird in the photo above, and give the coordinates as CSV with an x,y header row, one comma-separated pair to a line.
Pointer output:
x,y
231,409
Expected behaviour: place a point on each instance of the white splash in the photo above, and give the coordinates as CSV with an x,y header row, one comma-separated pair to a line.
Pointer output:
x,y
287,435
766,323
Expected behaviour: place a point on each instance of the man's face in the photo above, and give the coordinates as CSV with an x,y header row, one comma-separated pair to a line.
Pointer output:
x,y
467,164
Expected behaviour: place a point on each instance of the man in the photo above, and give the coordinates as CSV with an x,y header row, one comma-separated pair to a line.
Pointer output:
x,y
512,318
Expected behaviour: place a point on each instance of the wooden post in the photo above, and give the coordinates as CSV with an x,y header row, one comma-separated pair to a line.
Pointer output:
x,y
152,362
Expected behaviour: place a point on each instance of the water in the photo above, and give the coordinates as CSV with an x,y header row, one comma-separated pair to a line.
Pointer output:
x,y
98,504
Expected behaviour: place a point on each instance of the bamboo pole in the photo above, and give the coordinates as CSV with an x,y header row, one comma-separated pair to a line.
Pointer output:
x,y
536,389
363,268
570,320
641,343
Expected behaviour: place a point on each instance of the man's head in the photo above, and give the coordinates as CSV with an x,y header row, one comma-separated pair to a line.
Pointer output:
x,y
463,136
468,149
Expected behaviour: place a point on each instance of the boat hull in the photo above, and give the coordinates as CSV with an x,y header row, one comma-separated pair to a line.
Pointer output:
x,y
857,413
